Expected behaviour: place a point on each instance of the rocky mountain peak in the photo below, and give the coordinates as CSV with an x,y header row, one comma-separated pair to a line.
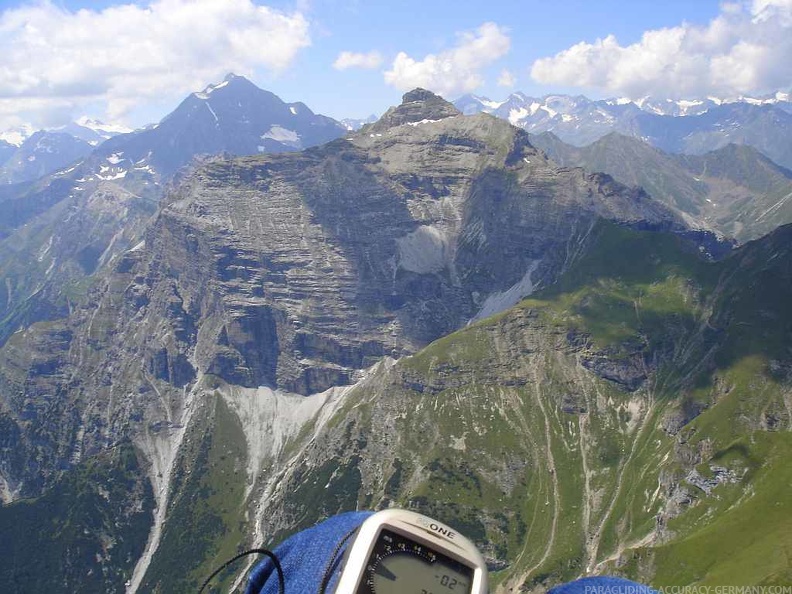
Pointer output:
x,y
416,106
231,84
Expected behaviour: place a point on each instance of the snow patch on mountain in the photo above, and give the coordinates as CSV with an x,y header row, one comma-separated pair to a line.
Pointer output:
x,y
503,300
424,121
102,128
493,105
551,112
283,135
18,135
423,251
515,115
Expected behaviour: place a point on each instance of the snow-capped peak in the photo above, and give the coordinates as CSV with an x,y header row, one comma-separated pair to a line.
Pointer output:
x,y
18,135
486,102
774,99
102,128
214,87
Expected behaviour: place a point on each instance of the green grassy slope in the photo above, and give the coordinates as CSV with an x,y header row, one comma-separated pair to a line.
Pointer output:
x,y
204,525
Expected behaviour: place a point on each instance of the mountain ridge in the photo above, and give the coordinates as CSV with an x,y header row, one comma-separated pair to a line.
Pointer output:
x,y
581,121
735,189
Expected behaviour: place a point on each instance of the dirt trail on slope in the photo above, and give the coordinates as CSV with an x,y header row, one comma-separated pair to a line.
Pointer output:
x,y
516,582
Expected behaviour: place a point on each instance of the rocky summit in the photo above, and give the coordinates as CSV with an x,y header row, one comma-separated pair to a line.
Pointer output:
x,y
419,105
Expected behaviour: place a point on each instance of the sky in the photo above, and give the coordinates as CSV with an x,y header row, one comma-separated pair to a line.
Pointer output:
x,y
133,63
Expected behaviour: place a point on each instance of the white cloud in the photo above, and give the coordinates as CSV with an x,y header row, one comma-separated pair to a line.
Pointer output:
x,y
506,79
455,71
354,60
126,55
746,49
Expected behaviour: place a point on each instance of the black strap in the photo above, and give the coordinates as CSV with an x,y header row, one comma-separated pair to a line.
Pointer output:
x,y
270,554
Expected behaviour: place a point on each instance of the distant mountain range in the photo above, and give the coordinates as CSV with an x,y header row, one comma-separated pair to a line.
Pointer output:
x,y
353,124
41,154
525,106
91,131
233,116
690,127
675,127
735,190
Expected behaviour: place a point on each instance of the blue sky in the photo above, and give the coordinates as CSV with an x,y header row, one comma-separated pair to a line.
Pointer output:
x,y
537,28
133,63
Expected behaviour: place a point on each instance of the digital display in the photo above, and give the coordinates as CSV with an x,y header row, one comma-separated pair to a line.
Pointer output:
x,y
399,565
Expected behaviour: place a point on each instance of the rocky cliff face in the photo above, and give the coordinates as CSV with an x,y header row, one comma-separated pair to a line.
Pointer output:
x,y
324,261
266,279
296,271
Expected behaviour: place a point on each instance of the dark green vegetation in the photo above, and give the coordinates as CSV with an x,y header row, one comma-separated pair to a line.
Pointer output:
x,y
49,544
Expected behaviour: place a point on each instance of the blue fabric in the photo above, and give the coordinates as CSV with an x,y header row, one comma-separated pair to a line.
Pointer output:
x,y
305,557
602,585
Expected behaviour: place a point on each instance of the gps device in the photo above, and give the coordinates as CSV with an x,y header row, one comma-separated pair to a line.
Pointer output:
x,y
402,552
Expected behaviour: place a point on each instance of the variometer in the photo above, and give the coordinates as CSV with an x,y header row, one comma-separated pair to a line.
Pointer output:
x,y
402,552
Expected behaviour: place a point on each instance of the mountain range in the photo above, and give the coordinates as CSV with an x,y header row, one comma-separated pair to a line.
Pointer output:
x,y
222,329
764,125
41,154
577,120
734,190
62,228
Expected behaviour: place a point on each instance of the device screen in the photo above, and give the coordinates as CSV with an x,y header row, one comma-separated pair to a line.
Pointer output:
x,y
399,565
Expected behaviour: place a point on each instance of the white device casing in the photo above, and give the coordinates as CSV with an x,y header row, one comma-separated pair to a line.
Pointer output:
x,y
422,530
